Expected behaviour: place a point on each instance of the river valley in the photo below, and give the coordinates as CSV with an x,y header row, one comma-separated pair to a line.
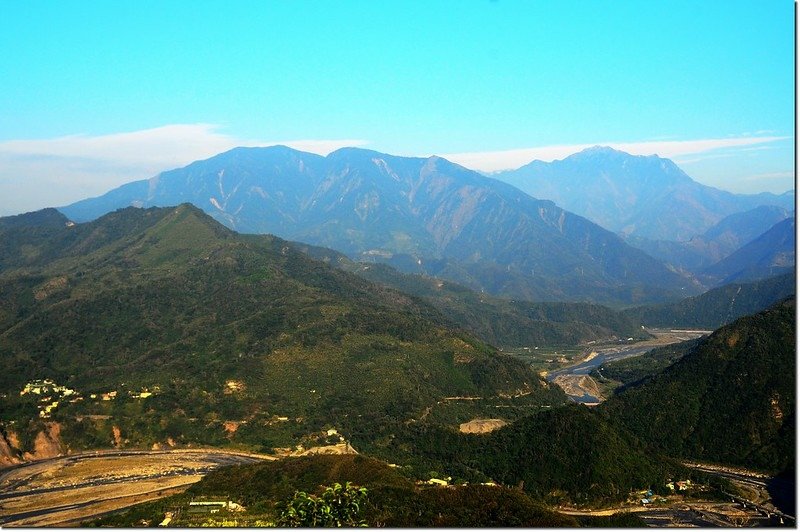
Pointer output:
x,y
575,379
67,490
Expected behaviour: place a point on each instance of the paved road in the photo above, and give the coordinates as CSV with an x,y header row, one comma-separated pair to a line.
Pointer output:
x,y
780,490
679,517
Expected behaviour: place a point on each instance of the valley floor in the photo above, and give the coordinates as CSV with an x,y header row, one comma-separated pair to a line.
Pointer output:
x,y
574,378
68,490
680,513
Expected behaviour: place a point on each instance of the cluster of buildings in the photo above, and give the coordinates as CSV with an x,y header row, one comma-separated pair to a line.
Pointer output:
x,y
45,387
108,396
678,485
52,395
446,482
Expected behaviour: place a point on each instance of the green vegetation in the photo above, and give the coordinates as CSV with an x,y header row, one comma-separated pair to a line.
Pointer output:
x,y
548,358
242,340
42,218
561,455
501,322
717,307
632,370
730,400
568,454
392,500
169,329
573,454
337,506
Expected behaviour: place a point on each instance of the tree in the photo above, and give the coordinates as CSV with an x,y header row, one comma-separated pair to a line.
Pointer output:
x,y
338,506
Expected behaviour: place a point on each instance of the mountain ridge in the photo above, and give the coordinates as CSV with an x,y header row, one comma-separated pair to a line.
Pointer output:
x,y
373,206
730,399
637,195
168,299
716,243
771,253
719,306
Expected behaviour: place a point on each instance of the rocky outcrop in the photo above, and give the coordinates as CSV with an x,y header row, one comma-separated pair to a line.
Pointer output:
x,y
9,453
47,443
339,448
481,426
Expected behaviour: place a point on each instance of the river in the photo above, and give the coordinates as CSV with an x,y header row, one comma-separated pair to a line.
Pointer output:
x,y
575,378
69,489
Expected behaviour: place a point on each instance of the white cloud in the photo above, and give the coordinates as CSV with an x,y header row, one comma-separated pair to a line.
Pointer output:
x,y
508,159
161,147
54,172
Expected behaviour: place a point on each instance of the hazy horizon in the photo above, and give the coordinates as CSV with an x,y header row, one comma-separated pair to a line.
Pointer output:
x,y
96,96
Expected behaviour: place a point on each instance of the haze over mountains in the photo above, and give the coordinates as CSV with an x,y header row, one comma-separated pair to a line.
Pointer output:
x,y
717,307
434,217
728,235
421,215
644,196
772,253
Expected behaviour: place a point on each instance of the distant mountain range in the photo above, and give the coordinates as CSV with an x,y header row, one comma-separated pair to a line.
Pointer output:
x,y
703,251
633,195
772,253
421,215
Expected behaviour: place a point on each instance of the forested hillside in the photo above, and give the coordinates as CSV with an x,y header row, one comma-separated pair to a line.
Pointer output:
x,y
718,306
497,321
393,500
730,400
234,340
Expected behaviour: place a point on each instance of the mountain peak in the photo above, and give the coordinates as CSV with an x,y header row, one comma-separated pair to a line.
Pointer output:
x,y
435,160
598,149
632,194
49,217
607,152
352,151
275,149
598,156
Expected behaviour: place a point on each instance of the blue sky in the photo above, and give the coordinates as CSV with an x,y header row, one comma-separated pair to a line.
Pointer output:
x,y
95,94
